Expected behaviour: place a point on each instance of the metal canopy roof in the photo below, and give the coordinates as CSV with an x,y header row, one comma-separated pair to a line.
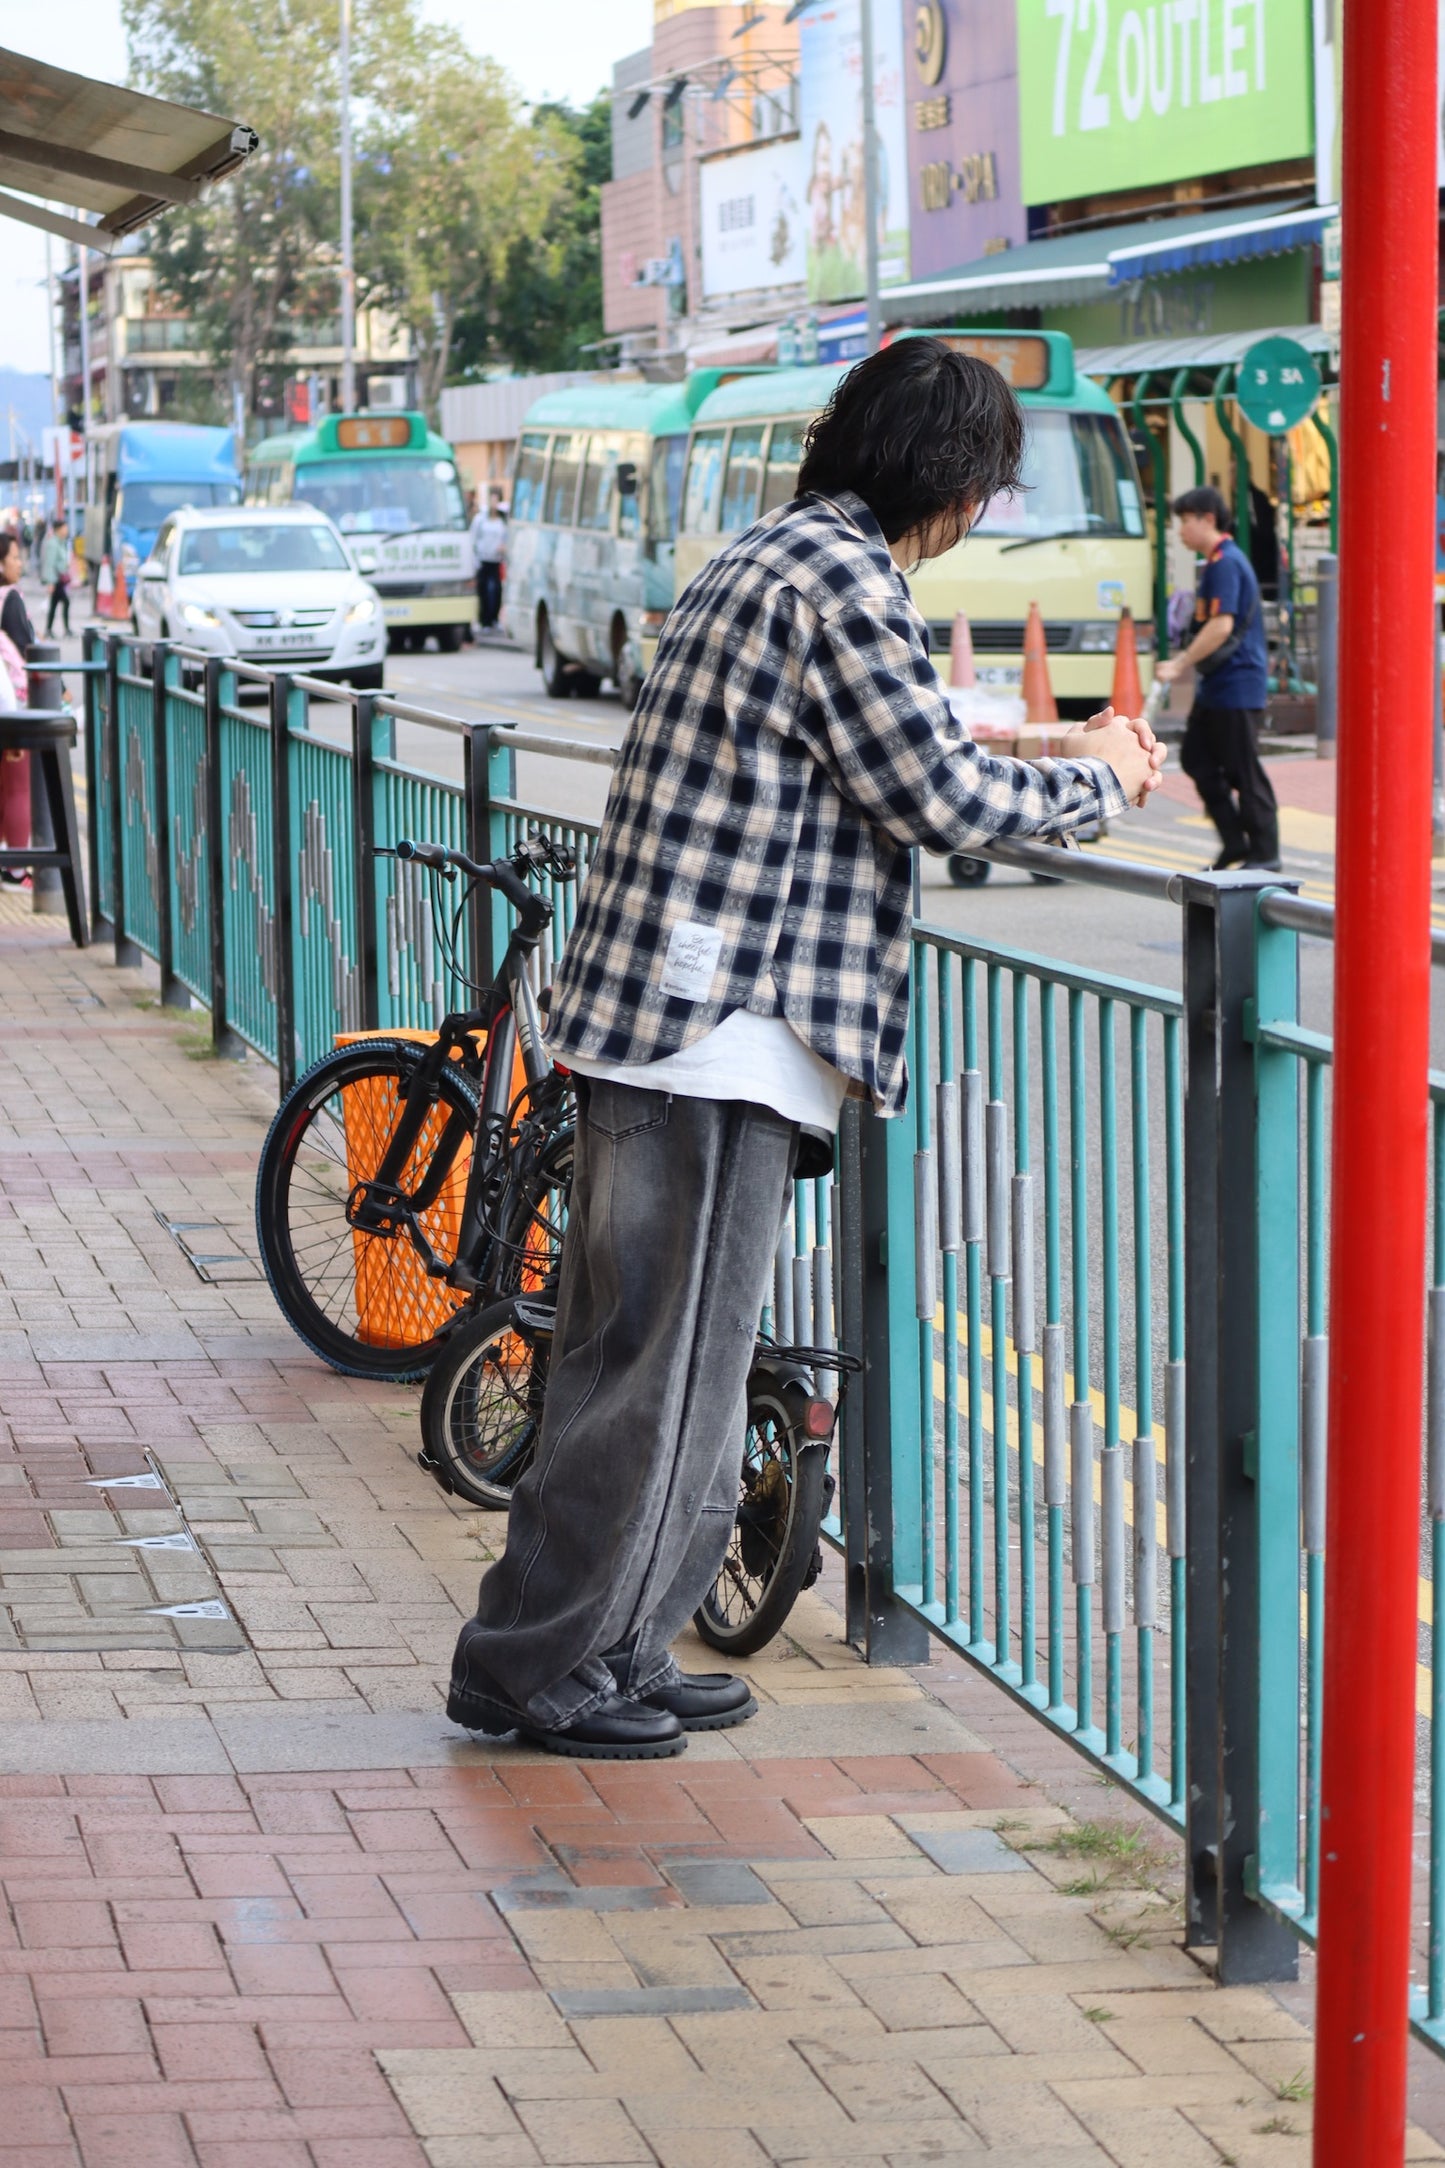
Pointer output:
x,y
102,149
1206,350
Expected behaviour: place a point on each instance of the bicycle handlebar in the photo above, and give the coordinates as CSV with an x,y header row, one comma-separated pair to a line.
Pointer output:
x,y
534,854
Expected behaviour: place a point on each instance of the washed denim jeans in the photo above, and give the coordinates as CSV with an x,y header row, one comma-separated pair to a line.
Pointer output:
x,y
619,1527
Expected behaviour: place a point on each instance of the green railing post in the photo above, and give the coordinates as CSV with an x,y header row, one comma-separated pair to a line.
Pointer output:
x,y
1222,384
1333,449
1222,1387
126,950
224,1041
282,869
1159,468
1277,1446
91,648
488,773
165,671
364,721
891,1410
1176,408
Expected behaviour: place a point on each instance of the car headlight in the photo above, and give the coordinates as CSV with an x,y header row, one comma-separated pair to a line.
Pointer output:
x,y
1098,636
361,613
202,619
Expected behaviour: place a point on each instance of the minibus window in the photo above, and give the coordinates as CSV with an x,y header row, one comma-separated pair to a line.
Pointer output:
x,y
1078,479
599,485
744,476
669,460
531,467
785,453
562,481
702,501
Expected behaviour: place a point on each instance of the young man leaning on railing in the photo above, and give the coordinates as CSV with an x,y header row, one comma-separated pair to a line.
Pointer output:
x,y
738,966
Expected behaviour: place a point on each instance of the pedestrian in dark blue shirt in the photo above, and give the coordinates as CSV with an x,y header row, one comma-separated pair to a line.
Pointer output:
x,y
1230,656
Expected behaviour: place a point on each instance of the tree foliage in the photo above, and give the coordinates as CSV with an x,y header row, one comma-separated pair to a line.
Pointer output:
x,y
545,309
470,223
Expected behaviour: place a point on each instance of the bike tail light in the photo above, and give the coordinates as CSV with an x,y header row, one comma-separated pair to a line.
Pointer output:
x,y
818,1419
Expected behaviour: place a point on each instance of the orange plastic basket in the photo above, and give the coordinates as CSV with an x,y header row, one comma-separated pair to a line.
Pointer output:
x,y
397,1303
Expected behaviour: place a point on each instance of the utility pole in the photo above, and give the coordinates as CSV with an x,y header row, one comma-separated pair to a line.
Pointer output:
x,y
348,274
83,289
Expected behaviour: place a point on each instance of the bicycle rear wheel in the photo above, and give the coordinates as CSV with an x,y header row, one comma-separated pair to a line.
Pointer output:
x,y
481,1412
772,1555
364,1302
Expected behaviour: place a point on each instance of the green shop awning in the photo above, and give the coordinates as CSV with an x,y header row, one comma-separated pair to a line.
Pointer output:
x,y
1064,269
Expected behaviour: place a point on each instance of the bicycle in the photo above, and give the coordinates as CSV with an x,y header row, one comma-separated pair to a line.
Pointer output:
x,y
403,1183
481,1417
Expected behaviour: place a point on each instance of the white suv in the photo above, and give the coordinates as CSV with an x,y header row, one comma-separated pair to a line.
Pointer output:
x,y
267,584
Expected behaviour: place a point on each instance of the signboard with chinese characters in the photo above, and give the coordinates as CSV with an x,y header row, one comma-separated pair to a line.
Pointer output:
x,y
752,219
961,76
830,67
1118,97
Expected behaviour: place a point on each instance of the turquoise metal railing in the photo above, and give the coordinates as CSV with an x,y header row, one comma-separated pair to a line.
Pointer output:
x,y
140,841
416,989
322,839
1293,1067
1039,1216
248,877
184,754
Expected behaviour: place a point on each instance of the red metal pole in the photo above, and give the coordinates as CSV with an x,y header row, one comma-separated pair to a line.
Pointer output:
x,y
1382,1002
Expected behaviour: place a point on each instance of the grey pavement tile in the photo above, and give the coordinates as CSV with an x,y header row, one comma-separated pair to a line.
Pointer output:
x,y
648,2001
604,1897
144,1746
717,1882
336,1735
966,1851
812,1941
824,1730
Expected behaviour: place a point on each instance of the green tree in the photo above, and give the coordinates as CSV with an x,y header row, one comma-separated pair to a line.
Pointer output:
x,y
454,188
545,309
259,249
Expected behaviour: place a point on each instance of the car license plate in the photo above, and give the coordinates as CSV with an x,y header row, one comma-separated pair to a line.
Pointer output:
x,y
1007,676
286,639
396,613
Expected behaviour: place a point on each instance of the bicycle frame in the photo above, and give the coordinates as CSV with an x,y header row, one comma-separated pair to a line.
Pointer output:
x,y
508,1016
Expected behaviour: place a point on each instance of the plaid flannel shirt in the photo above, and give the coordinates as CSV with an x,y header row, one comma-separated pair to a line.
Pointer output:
x,y
792,742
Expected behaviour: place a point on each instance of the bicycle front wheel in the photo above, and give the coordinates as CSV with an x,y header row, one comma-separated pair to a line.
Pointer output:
x,y
481,1413
364,1301
773,1551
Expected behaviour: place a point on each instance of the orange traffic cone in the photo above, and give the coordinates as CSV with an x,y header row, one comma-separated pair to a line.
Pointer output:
x,y
1040,705
120,600
1126,695
960,653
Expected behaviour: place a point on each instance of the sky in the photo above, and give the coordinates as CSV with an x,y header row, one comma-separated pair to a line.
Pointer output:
x,y
551,48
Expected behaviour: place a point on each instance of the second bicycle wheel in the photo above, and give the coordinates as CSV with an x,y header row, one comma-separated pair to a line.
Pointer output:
x,y
481,1412
774,1541
363,1301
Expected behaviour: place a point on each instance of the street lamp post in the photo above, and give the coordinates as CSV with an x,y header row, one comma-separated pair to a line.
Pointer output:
x,y
348,275
870,162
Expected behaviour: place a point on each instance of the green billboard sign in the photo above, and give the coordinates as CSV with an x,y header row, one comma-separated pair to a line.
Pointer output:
x,y
1117,97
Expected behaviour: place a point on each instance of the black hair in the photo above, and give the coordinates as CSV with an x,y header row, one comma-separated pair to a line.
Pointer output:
x,y
9,540
916,431
1204,503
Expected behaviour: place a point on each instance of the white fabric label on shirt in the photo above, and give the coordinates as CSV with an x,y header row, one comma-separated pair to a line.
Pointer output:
x,y
692,956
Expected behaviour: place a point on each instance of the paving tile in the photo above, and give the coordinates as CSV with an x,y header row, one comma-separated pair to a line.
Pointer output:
x,y
717,1882
648,2001
967,1851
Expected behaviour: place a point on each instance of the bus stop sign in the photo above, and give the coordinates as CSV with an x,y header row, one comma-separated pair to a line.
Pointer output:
x,y
1276,385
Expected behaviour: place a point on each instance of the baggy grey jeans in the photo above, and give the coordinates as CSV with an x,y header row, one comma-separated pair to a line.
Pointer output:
x,y
620,1525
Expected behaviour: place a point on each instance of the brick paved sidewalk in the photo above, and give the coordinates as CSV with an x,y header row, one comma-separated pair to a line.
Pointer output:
x,y
265,1908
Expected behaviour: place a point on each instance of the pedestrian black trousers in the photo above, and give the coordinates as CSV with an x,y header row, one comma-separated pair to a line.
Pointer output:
x,y
619,1527
1220,755
59,600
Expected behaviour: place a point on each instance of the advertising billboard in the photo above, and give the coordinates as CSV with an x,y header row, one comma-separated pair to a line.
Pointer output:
x,y
752,219
830,67
961,75
1118,97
